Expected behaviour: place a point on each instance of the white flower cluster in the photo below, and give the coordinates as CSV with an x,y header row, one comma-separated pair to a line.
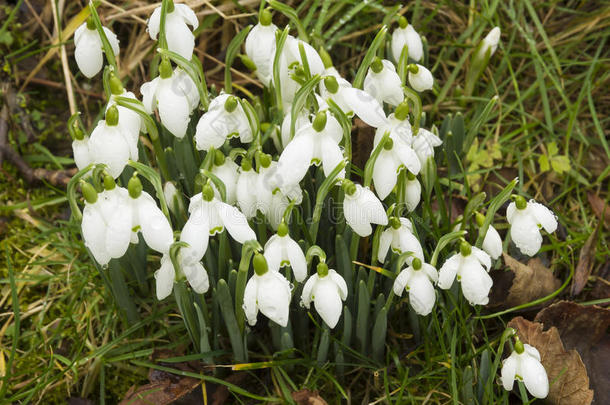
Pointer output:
x,y
261,187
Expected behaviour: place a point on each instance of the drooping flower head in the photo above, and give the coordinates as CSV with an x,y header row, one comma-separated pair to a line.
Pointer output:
x,y
405,35
326,288
383,83
524,364
399,236
225,118
179,37
526,219
281,250
88,50
260,44
418,279
361,208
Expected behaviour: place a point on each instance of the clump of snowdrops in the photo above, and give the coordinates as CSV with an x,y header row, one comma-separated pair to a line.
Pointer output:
x,y
254,209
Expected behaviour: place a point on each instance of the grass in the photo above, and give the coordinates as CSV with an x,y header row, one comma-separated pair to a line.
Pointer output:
x,y
60,333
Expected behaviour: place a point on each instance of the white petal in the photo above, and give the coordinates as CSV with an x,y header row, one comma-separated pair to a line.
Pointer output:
x,y
448,271
235,222
195,233
210,132
543,215
430,271
308,290
327,301
154,23
339,282
364,106
149,94
421,293
246,192
186,86
409,243
297,259
274,297
331,156
80,149
354,216
112,40
228,174
88,52
407,156
260,44
384,244
525,233
400,282
273,252
164,278
532,351
250,306
156,229
372,207
412,194
94,233
534,376
196,276
482,257
118,231
475,282
295,159
385,173
510,212
174,108
509,370
187,14
492,244
399,41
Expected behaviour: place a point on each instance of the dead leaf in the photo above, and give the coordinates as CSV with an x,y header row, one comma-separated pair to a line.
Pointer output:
x,y
307,397
569,383
521,283
584,328
600,208
585,264
160,392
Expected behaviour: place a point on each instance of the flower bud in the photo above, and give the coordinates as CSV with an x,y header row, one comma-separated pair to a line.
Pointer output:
x,y
282,230
260,264
116,87
402,111
395,223
165,69
89,192
322,269
331,84
134,186
519,348
207,192
465,248
231,104
480,218
265,160
219,158
109,183
520,202
349,188
319,123
402,22
389,144
377,65
416,263
246,164
112,116
265,18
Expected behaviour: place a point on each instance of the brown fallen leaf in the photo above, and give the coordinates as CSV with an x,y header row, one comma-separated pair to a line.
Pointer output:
x,y
585,264
568,379
160,392
584,328
521,283
307,397
600,208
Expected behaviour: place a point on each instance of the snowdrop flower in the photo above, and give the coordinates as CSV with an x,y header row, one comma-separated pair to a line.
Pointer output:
x,y
106,223
405,35
224,119
179,37
424,143
362,208
88,50
526,219
492,243
412,192
291,66
316,143
260,43
396,154
399,236
420,78
195,274
383,83
326,289
489,44
267,291
281,250
417,279
147,217
80,149
524,364
112,144
351,100
470,266
209,216
227,171
174,94
275,196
